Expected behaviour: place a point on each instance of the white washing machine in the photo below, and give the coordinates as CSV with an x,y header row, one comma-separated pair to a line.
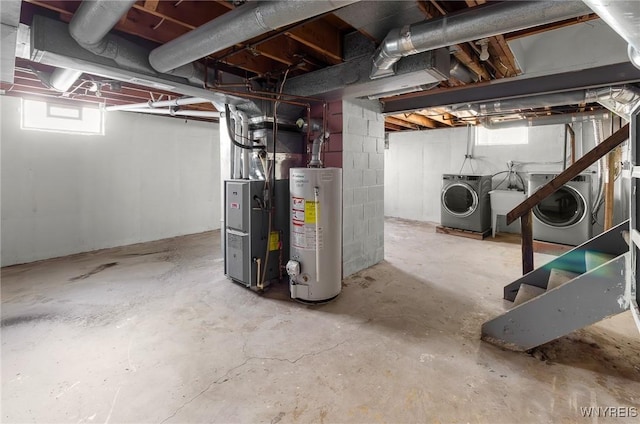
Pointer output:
x,y
465,202
565,216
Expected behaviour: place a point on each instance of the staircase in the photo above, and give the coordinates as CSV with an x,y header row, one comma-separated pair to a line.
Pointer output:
x,y
577,289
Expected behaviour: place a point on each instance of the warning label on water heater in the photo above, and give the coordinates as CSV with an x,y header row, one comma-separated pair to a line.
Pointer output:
x,y
304,215
310,212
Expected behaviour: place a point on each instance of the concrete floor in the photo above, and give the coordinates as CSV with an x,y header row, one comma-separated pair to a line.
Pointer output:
x,y
155,333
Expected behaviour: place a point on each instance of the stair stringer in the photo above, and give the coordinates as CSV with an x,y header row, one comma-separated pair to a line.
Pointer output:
x,y
610,242
583,301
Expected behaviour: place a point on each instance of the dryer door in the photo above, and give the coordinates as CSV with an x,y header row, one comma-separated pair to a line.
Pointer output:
x,y
459,199
564,208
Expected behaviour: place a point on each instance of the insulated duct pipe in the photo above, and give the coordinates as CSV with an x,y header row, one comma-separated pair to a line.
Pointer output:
x,y
623,17
90,24
183,101
243,23
620,100
472,24
193,113
547,120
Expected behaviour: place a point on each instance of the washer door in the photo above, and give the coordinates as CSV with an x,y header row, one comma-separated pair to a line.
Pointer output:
x,y
564,208
459,199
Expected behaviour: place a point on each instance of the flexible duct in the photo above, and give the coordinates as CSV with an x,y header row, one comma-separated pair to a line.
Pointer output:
x,y
472,24
90,24
243,23
547,120
624,18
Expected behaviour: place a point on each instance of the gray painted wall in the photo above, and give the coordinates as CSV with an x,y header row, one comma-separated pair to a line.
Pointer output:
x,y
147,178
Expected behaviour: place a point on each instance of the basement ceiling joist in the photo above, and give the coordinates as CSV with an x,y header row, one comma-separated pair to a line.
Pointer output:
x,y
317,43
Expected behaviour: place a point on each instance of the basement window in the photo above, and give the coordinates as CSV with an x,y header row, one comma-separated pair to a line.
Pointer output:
x,y
75,119
502,136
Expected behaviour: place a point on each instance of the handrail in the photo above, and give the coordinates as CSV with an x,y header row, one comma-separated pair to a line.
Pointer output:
x,y
570,173
523,210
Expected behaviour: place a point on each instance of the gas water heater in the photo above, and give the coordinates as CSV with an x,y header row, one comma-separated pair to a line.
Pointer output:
x,y
315,268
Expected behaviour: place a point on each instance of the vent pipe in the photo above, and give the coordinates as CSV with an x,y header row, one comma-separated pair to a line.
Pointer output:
x,y
472,24
243,23
547,120
624,18
90,24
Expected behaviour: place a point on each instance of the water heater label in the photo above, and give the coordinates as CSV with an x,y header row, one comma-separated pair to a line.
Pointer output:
x,y
297,215
298,203
310,211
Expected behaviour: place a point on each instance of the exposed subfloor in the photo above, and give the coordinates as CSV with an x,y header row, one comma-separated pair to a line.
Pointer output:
x,y
155,333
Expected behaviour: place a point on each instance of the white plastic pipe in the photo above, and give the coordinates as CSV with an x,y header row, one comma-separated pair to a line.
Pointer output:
x,y
244,131
183,101
194,113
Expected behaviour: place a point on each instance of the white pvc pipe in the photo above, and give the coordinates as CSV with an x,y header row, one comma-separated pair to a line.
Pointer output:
x,y
244,125
193,113
183,101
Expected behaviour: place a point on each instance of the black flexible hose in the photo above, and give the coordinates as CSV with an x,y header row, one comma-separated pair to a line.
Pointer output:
x,y
231,133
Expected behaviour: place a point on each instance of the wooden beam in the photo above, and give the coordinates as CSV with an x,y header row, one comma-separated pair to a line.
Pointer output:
x,y
467,58
570,173
526,226
392,127
257,64
151,5
418,119
401,123
323,38
543,28
282,49
441,116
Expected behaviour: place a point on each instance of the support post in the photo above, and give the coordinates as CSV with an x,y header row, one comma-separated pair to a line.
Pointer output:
x,y
526,223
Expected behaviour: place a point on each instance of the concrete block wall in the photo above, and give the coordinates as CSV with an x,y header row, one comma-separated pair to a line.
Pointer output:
x,y
363,185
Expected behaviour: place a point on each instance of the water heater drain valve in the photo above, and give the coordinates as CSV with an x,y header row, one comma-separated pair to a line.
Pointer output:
x,y
293,268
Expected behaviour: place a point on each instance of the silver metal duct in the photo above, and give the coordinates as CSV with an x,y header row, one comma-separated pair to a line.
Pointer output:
x,y
623,16
90,24
472,24
547,120
51,44
162,103
94,19
61,79
245,22
529,102
619,100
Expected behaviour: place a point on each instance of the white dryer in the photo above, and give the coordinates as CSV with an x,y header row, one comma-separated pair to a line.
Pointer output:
x,y
565,216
